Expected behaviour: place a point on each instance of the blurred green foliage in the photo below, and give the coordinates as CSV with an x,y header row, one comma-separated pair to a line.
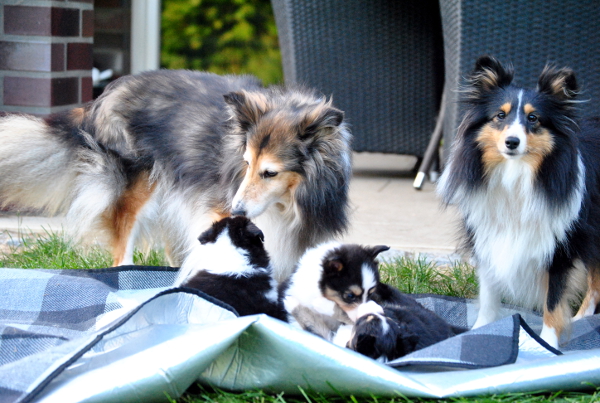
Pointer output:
x,y
221,36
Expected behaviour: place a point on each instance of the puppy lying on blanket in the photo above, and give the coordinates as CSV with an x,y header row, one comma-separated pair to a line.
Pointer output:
x,y
336,293
232,265
398,329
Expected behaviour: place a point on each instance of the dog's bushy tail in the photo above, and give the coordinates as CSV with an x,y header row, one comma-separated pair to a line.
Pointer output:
x,y
36,169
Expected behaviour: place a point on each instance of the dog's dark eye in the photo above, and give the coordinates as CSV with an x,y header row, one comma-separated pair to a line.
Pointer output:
x,y
531,118
349,296
269,174
501,115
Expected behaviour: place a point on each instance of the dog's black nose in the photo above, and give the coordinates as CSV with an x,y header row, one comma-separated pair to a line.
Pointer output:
x,y
512,142
239,212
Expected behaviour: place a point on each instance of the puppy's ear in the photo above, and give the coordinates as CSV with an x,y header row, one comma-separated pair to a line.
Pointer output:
x,y
488,75
376,250
333,266
247,107
406,342
255,231
558,83
319,118
208,236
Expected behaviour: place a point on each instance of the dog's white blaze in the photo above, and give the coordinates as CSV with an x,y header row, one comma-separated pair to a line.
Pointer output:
x,y
515,234
518,131
368,281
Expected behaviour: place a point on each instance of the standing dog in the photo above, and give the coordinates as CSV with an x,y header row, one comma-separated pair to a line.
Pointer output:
x,y
169,152
525,174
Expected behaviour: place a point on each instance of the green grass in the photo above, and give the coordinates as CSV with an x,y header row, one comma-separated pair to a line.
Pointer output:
x,y
53,251
409,275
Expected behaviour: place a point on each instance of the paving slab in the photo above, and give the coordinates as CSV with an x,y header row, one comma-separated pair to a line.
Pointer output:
x,y
385,209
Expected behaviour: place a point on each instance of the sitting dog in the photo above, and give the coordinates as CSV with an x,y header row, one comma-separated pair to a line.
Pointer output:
x,y
525,174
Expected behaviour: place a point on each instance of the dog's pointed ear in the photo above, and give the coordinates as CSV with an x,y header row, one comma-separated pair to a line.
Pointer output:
x,y
333,266
488,75
247,107
255,231
208,236
376,250
558,83
322,117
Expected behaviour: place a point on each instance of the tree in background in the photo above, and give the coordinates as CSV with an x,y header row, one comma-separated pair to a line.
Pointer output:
x,y
221,36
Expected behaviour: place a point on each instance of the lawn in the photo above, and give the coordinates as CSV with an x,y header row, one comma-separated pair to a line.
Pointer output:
x,y
409,275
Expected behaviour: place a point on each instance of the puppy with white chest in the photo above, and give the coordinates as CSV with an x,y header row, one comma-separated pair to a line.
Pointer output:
x,y
232,265
329,285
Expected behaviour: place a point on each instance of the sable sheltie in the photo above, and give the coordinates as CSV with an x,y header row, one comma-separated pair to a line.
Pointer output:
x,y
163,154
233,266
525,174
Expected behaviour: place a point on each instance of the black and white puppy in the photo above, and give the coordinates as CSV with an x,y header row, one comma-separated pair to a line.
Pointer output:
x,y
401,327
232,265
328,286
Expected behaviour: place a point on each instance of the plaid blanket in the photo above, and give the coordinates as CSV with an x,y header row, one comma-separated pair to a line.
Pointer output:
x,y
123,334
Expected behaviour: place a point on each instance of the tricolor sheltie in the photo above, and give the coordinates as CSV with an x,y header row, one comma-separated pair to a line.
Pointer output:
x,y
165,153
525,174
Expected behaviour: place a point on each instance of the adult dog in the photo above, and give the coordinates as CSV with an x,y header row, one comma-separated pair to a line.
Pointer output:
x,y
525,174
165,153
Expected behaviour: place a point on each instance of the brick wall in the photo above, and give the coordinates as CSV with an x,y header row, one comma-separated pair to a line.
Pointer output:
x,y
45,55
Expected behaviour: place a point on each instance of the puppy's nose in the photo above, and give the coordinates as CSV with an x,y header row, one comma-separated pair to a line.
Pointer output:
x,y
241,212
512,142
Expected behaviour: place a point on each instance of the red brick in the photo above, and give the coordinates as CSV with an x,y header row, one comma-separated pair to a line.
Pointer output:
x,y
65,21
45,21
79,56
25,56
58,57
87,89
26,91
87,23
65,91
23,20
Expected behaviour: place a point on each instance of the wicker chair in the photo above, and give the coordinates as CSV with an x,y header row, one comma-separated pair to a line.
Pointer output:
x,y
527,33
381,60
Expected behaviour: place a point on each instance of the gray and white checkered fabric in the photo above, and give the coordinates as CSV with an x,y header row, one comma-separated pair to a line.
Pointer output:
x,y
58,327
48,316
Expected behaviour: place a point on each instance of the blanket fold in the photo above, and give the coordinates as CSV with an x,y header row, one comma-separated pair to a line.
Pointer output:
x,y
124,334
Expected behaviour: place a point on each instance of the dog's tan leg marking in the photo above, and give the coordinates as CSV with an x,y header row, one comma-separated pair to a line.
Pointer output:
x,y
123,216
555,322
592,297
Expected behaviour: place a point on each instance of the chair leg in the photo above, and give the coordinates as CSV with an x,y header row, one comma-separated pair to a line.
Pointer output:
x,y
432,151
